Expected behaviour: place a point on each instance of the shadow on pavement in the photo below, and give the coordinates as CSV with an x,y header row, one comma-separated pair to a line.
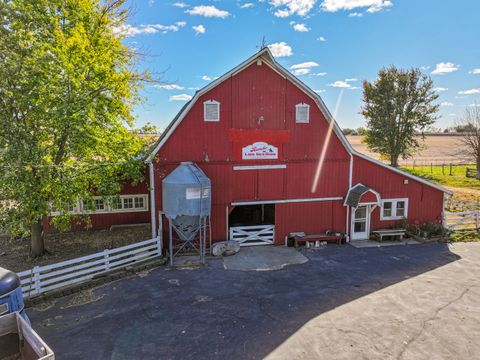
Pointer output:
x,y
212,313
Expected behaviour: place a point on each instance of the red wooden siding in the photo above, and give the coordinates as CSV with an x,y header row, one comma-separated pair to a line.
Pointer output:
x,y
310,217
368,197
424,202
106,220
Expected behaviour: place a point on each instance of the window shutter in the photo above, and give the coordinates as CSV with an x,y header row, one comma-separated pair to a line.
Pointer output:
x,y
302,113
211,111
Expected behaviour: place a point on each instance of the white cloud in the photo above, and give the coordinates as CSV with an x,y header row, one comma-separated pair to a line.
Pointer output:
x,y
440,89
355,14
474,105
199,29
305,65
469,92
130,30
424,67
299,72
180,97
319,91
322,39
351,80
208,11
292,7
445,68
343,85
320,74
300,28
446,103
206,78
371,5
169,87
180,5
475,71
303,68
247,5
280,49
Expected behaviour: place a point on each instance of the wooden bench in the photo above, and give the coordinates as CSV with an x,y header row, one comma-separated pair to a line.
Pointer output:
x,y
389,232
318,237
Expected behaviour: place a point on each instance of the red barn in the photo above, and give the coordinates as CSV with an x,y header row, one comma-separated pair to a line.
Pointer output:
x,y
278,162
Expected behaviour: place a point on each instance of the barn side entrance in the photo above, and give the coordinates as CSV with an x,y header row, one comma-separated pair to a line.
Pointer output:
x,y
252,224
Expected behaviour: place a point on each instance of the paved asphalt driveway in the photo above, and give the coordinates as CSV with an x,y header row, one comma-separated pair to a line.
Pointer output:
x,y
415,301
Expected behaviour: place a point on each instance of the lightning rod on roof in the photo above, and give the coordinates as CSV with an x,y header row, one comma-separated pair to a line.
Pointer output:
x,y
263,45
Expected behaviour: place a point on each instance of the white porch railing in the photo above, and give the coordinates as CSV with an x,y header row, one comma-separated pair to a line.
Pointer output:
x,y
465,220
41,279
253,235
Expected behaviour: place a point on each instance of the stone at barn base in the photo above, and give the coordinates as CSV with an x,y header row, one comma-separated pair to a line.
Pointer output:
x,y
225,248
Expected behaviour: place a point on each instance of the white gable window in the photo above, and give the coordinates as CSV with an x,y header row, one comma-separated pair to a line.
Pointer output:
x,y
394,209
302,113
211,110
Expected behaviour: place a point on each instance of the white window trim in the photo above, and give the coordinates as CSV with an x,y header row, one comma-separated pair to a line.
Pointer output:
x,y
296,113
394,208
79,208
210,102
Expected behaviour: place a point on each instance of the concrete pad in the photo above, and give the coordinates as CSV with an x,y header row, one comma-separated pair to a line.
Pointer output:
x,y
372,243
262,258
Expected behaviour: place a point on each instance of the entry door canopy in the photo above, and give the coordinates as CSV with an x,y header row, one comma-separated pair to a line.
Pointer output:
x,y
362,195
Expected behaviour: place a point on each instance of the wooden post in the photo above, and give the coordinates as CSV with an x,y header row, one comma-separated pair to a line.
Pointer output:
x,y
431,168
443,168
451,169
413,164
36,280
107,261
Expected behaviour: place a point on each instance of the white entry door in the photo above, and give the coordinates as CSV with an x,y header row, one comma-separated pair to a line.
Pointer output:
x,y
360,223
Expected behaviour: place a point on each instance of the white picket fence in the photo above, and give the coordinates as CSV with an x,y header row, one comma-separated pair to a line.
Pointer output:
x,y
464,220
41,279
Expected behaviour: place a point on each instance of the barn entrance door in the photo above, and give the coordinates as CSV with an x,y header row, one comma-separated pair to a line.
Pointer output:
x,y
360,223
252,224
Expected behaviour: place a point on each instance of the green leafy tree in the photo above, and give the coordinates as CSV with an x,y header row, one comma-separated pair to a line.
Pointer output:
x,y
67,87
398,106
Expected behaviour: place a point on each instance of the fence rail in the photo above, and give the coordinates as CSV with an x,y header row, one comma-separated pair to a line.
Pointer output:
x,y
41,279
464,220
471,173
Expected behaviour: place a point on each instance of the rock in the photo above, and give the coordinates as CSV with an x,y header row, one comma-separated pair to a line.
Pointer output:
x,y
225,248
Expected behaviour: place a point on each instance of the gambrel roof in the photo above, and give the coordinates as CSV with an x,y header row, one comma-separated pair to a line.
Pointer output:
x,y
267,58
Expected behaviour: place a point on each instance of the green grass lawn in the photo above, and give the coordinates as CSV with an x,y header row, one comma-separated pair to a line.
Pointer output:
x,y
436,175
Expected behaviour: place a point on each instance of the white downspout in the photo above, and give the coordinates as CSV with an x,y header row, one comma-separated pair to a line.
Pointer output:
x,y
350,181
152,199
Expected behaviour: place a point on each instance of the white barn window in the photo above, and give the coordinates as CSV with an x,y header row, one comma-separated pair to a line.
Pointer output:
x,y
211,110
302,113
394,209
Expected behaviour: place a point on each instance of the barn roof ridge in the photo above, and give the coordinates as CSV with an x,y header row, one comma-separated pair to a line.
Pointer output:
x,y
269,59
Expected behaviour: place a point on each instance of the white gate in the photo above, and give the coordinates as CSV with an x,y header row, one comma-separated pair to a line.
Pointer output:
x,y
253,235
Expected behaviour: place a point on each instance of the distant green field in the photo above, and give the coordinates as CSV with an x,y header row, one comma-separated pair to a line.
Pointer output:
x,y
442,176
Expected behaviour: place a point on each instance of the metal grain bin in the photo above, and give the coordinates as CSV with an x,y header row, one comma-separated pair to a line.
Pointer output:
x,y
186,192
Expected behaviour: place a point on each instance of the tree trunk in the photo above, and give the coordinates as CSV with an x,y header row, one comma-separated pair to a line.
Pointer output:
x,y
394,160
478,167
38,245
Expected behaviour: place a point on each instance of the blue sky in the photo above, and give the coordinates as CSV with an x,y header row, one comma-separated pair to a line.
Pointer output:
x,y
332,45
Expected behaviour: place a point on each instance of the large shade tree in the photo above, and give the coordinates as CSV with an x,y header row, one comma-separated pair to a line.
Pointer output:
x,y
398,106
67,87
470,134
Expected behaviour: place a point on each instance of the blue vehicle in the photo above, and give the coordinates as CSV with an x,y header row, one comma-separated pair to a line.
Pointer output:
x,y
11,297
